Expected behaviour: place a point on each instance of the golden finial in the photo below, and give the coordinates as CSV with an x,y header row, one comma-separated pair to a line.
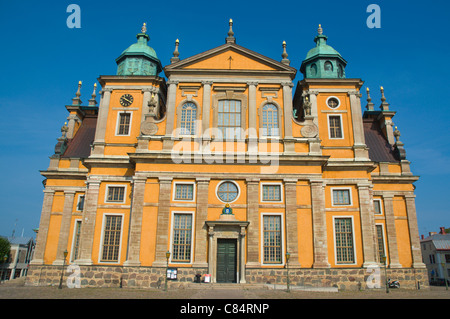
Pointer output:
x,y
144,28
320,30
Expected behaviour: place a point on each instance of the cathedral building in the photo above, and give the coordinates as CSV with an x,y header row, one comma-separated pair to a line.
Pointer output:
x,y
221,169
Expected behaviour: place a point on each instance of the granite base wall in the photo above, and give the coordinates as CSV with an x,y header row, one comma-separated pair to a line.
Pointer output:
x,y
150,277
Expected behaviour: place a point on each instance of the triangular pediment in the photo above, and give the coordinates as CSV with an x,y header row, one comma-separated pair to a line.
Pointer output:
x,y
229,57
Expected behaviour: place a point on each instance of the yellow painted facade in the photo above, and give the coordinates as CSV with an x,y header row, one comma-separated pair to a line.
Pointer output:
x,y
316,187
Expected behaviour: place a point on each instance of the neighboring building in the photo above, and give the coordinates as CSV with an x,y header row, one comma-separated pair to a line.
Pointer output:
x,y
21,253
150,169
436,256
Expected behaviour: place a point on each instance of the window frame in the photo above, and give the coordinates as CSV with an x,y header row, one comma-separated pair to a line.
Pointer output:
x,y
195,120
102,241
341,126
118,123
384,242
282,240
380,205
350,197
333,97
172,233
175,191
271,184
261,120
233,182
107,193
229,94
355,259
74,235
81,195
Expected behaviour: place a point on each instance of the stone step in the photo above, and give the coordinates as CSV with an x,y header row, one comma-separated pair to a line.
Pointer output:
x,y
224,286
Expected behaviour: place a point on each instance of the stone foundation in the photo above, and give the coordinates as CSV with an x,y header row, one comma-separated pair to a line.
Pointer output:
x,y
150,277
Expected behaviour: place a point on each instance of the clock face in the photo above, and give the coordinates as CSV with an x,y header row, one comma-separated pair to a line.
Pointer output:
x,y
126,100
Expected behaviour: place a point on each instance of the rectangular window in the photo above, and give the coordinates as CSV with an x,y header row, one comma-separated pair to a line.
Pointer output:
x,y
116,194
380,238
182,238
124,124
111,238
184,192
344,240
377,206
76,240
272,239
80,204
341,197
335,126
271,193
229,118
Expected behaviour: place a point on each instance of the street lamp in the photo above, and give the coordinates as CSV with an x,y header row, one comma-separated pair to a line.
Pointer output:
x,y
383,258
287,271
167,269
62,272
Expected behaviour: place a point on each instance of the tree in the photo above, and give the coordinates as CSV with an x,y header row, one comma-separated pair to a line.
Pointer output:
x,y
5,248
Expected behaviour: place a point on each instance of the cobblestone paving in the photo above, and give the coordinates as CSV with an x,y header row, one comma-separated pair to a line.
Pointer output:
x,y
16,290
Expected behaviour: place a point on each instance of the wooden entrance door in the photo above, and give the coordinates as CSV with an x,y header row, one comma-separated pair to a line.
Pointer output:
x,y
226,260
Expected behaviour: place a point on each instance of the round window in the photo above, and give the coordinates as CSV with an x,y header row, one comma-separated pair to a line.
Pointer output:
x,y
333,102
227,192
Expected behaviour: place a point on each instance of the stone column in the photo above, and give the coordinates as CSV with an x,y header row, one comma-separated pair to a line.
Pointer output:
x,y
200,226
242,256
65,227
88,223
414,232
41,238
137,209
99,141
289,146
206,107
314,112
170,118
253,227
252,114
290,190
391,231
319,224
357,124
162,230
145,99
367,225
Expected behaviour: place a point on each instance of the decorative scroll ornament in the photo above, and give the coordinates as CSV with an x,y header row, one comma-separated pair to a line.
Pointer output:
x,y
310,130
149,128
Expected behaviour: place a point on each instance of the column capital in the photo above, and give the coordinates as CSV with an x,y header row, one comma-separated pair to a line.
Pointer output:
x,y
203,179
289,84
252,180
207,82
170,82
165,179
253,83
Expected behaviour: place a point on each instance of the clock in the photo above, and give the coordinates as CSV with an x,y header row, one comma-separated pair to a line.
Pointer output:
x,y
126,100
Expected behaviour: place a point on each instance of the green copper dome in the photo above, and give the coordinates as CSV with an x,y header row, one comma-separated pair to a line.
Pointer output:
x,y
323,61
139,58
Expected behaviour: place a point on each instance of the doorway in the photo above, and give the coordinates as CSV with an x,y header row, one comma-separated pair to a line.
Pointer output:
x,y
226,260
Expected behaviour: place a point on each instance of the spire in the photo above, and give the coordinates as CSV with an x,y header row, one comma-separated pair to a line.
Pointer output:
x,y
230,38
76,100
369,105
284,55
384,105
92,101
175,53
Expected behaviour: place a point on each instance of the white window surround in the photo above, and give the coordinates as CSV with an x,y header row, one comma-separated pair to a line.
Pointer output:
x,y
342,126
79,200
333,97
172,218
102,238
283,257
381,206
174,191
115,185
238,188
384,242
341,188
72,249
271,183
353,239
118,123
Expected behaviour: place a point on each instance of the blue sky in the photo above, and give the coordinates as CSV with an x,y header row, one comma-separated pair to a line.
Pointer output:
x,y
42,61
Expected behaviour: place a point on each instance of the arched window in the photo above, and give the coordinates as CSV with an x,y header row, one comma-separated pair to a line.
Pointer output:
x,y
270,120
328,66
188,118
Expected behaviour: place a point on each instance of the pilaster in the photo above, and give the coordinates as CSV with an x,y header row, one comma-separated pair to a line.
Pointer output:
x,y
391,231
41,238
100,132
171,99
200,227
367,225
319,224
253,227
290,189
414,232
65,227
